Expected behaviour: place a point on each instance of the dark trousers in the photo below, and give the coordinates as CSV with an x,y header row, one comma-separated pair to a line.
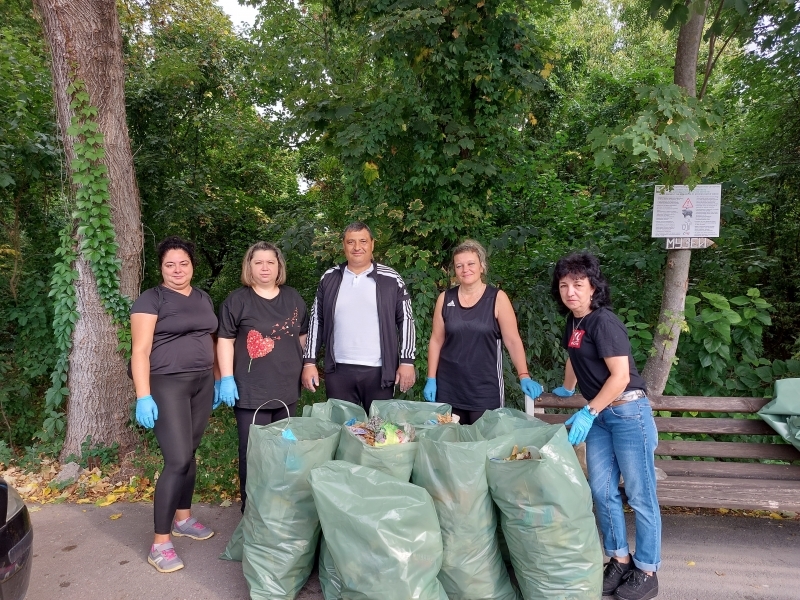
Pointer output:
x,y
184,405
244,418
357,384
468,417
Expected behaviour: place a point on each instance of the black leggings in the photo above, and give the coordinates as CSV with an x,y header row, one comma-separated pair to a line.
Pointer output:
x,y
468,417
244,418
184,405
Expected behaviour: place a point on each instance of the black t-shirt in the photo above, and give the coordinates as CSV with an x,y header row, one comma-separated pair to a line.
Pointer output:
x,y
267,356
182,340
598,336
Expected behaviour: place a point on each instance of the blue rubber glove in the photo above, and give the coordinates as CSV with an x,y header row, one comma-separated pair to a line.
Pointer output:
x,y
146,412
563,392
581,423
217,401
227,390
429,393
530,387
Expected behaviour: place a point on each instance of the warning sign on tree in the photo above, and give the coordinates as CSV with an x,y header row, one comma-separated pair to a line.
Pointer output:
x,y
682,213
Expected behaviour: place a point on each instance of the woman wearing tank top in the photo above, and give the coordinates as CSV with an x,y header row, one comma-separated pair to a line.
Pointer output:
x,y
465,356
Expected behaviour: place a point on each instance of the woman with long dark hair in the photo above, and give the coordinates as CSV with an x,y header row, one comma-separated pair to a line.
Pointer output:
x,y
172,362
617,425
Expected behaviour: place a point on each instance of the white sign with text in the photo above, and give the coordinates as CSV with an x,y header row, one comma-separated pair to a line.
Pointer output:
x,y
680,212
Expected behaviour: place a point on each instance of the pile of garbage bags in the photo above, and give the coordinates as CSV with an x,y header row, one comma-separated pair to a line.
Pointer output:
x,y
430,517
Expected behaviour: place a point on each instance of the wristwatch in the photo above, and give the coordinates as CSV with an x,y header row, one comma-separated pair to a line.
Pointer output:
x,y
592,411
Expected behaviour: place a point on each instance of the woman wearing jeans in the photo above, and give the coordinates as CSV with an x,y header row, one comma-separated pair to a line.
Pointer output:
x,y
617,425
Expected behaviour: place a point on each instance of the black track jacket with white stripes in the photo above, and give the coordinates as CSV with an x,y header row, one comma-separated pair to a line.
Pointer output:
x,y
395,321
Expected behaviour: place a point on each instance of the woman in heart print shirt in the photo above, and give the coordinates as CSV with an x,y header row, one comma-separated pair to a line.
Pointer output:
x,y
261,337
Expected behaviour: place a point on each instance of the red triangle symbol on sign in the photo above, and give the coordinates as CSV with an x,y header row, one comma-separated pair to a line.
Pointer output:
x,y
688,203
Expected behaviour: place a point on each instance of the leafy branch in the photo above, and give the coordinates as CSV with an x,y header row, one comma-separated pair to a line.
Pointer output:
x,y
665,132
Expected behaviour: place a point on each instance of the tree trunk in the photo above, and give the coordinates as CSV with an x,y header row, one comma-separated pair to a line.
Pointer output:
x,y
85,39
676,276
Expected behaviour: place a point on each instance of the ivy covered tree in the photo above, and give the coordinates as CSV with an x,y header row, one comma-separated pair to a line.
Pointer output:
x,y
100,255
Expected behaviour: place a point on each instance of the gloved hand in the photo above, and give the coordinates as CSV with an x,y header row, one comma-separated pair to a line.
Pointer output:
x,y
217,401
429,393
581,423
146,412
227,390
563,392
530,387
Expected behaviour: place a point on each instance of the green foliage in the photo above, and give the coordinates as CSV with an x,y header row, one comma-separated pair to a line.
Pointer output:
x,y
210,167
7,455
107,455
723,355
668,131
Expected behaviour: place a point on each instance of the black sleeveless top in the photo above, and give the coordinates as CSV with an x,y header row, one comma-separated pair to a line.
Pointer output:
x,y
470,371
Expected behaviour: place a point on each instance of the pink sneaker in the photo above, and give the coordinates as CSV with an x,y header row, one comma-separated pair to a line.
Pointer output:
x,y
165,559
192,528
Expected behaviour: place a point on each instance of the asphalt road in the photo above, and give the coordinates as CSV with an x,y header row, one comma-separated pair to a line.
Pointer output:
x,y
80,553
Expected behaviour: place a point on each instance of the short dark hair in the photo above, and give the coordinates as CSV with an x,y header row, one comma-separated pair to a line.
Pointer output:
x,y
357,226
174,242
580,265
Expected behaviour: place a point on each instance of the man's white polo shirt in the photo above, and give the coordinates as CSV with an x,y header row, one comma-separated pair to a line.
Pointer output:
x,y
356,333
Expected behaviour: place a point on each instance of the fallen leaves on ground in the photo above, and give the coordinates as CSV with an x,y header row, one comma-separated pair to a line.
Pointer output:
x,y
91,487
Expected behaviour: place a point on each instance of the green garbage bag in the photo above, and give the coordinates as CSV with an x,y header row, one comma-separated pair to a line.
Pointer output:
x,y
783,412
338,411
396,460
546,515
408,411
235,547
451,466
381,532
502,421
280,526
497,422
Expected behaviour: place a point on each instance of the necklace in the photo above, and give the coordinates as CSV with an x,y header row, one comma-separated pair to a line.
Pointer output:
x,y
469,300
574,326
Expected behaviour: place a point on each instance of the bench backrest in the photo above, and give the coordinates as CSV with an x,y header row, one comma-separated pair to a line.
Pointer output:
x,y
753,450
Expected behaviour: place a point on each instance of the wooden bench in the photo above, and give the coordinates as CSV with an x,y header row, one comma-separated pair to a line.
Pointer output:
x,y
710,482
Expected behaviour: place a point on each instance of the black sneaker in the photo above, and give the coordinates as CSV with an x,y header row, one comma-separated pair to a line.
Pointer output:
x,y
613,574
638,585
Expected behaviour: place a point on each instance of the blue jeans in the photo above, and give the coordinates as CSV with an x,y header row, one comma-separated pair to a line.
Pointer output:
x,y
623,439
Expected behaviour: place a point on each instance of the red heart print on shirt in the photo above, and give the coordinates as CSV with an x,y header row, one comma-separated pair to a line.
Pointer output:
x,y
258,346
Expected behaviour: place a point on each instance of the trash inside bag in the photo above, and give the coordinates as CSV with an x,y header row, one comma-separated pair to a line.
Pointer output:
x,y
451,466
382,533
278,534
378,432
546,514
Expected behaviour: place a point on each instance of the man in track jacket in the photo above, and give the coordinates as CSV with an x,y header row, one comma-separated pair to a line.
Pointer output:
x,y
362,316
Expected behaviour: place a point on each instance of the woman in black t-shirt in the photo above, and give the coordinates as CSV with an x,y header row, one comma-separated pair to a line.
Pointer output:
x,y
617,425
172,362
262,334
465,356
